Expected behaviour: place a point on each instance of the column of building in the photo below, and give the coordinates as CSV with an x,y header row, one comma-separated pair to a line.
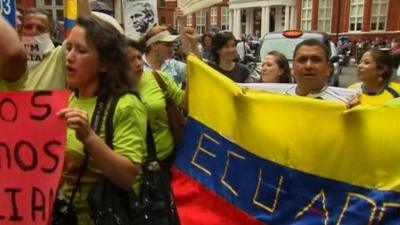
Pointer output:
x,y
231,19
286,27
236,23
265,22
278,18
280,25
292,17
249,21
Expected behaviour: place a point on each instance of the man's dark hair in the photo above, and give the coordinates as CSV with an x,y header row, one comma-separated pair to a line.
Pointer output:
x,y
219,41
204,37
312,43
34,10
134,44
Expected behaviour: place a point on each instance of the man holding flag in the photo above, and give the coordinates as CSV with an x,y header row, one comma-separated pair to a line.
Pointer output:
x,y
311,69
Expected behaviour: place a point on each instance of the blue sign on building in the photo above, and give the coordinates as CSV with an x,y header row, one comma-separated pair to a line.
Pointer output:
x,y
7,9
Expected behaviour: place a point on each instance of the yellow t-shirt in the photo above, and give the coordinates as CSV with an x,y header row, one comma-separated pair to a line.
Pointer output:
x,y
129,122
154,101
379,99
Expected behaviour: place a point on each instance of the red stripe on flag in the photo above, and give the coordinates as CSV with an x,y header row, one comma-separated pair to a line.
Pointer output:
x,y
200,206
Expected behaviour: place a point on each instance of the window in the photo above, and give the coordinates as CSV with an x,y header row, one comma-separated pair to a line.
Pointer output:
x,y
356,15
213,16
189,20
201,22
225,18
213,19
306,11
378,15
177,24
54,7
325,15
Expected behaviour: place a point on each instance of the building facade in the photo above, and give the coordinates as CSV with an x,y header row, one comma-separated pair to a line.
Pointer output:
x,y
352,18
259,17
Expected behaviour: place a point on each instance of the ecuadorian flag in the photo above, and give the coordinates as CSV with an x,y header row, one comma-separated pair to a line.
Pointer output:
x,y
251,157
70,15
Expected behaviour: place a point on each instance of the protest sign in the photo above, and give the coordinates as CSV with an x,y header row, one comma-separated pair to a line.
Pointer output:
x,y
139,16
7,9
32,145
190,6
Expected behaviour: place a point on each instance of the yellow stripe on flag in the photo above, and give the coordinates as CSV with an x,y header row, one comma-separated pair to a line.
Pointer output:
x,y
360,146
71,9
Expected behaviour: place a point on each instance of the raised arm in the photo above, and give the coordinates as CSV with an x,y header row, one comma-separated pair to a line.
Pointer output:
x,y
188,35
12,55
84,8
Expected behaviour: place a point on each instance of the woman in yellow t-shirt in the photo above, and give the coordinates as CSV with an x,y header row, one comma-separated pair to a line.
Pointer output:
x,y
374,72
97,66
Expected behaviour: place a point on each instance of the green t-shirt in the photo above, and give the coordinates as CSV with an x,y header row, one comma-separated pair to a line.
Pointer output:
x,y
50,73
153,98
129,140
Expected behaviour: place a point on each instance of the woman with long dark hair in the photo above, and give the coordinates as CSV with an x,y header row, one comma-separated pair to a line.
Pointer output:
x,y
97,71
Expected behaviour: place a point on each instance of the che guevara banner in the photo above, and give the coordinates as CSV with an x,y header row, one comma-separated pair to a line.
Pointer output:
x,y
251,157
32,141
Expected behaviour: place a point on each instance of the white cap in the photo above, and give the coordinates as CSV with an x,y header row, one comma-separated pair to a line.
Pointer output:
x,y
164,36
109,19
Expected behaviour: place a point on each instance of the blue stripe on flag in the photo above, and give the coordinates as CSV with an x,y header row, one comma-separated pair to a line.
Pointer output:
x,y
68,24
276,194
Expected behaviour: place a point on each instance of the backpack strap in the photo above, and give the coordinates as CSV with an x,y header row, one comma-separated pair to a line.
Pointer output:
x,y
151,148
109,122
95,123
